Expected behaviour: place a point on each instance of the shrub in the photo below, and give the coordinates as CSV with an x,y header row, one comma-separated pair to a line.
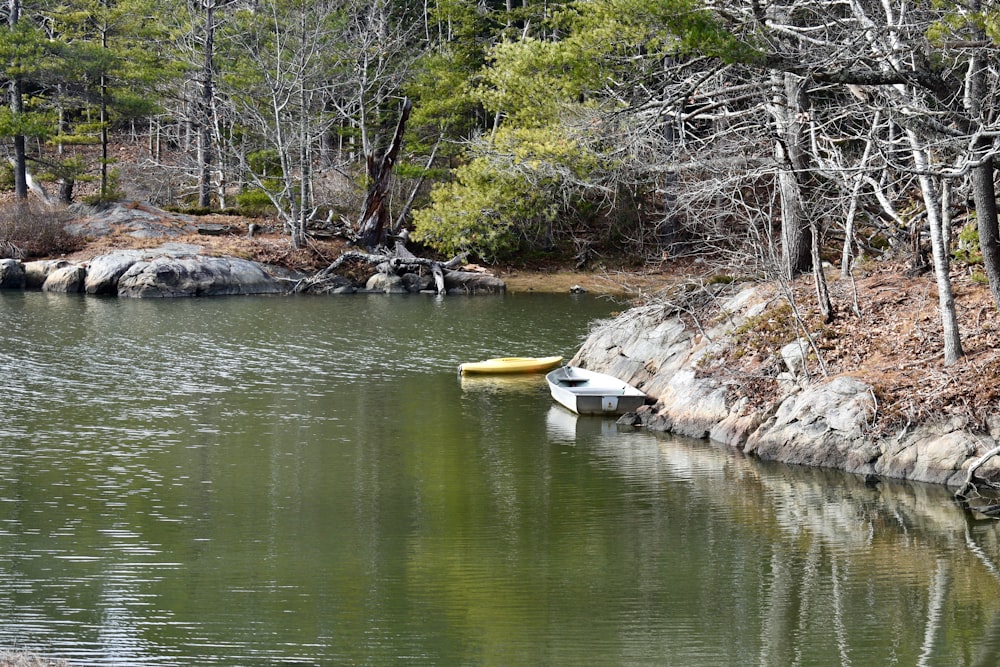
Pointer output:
x,y
254,203
112,190
39,233
518,191
968,250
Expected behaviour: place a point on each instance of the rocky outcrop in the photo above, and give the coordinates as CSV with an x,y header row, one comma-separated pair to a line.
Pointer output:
x,y
139,220
195,276
36,273
179,269
104,272
818,422
172,270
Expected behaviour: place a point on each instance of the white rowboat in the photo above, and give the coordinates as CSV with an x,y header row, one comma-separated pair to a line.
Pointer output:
x,y
589,393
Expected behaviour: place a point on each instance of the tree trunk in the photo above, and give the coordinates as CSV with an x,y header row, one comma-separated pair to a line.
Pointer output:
x,y
984,192
66,186
105,194
374,220
786,108
946,299
856,181
16,109
205,110
819,278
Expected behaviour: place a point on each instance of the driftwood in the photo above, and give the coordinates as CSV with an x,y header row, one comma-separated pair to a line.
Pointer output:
x,y
402,259
969,485
968,496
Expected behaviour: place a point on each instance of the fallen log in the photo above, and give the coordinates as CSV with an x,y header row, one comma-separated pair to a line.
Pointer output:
x,y
393,263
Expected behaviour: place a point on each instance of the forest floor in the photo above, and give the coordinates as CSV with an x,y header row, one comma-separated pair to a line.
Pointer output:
x,y
886,331
886,328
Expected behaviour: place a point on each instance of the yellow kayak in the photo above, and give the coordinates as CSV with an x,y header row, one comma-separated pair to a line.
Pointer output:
x,y
511,365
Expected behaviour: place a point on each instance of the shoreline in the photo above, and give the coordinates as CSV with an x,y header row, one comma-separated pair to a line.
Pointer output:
x,y
767,399
726,366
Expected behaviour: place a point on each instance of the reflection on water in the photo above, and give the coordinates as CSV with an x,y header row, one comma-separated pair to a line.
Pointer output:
x,y
309,481
531,383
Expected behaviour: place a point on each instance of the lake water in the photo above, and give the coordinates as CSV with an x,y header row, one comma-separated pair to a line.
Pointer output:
x,y
307,481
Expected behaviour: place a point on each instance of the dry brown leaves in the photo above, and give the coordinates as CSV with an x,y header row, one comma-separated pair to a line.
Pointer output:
x,y
892,340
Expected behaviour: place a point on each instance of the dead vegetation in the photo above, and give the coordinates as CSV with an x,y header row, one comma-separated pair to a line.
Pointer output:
x,y
26,659
35,231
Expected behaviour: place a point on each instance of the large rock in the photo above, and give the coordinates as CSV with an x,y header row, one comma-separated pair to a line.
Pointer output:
x,y
104,272
417,283
66,279
939,453
195,276
11,274
36,273
388,283
822,425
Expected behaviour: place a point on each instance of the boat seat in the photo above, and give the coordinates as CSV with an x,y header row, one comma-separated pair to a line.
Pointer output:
x,y
597,391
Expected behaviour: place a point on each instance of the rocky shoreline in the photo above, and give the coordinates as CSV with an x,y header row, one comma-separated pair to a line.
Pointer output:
x,y
816,421
181,270
172,270
183,266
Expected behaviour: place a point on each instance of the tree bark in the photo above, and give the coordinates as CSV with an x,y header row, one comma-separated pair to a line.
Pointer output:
x,y
984,193
946,300
374,220
786,108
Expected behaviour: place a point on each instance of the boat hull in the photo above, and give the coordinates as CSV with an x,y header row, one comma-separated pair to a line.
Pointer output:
x,y
589,393
510,365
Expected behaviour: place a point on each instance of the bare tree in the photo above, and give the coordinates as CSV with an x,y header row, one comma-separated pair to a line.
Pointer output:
x,y
878,52
286,56
374,222
193,99
788,107
377,48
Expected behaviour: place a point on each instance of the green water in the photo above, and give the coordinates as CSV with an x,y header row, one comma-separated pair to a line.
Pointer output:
x,y
307,481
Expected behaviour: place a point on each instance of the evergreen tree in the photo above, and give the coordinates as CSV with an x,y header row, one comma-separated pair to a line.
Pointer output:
x,y
115,69
28,60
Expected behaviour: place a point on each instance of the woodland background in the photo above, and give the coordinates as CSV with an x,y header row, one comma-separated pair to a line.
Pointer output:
x,y
766,135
